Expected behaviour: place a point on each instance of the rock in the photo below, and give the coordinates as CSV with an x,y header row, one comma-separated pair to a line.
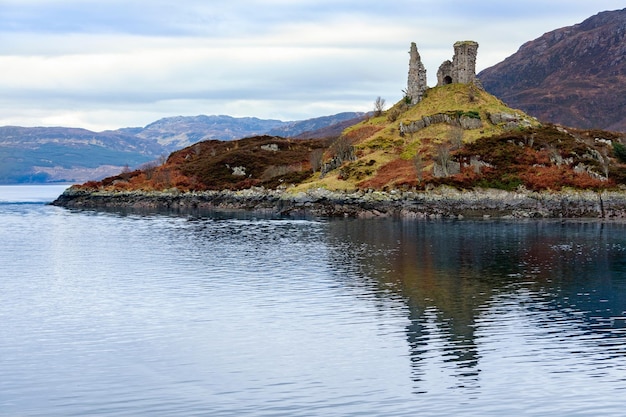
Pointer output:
x,y
439,203
469,123
497,118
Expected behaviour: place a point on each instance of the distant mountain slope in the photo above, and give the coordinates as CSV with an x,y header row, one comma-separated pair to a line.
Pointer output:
x,y
178,132
175,133
575,76
325,126
116,140
45,154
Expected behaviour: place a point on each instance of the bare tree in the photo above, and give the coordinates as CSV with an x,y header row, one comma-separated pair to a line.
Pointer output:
x,y
316,158
418,163
456,137
342,149
443,157
408,140
149,168
125,173
379,106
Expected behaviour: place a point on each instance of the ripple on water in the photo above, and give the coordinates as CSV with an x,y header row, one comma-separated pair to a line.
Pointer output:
x,y
105,314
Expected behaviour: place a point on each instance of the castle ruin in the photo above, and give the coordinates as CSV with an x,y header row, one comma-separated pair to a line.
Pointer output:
x,y
462,69
417,83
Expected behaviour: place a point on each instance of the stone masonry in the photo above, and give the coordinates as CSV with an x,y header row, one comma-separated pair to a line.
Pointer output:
x,y
417,83
462,69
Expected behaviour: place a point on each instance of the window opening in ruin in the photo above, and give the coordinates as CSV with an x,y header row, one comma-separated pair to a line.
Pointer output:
x,y
447,80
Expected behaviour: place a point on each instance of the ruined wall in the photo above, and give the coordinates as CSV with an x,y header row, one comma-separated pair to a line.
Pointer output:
x,y
417,82
462,68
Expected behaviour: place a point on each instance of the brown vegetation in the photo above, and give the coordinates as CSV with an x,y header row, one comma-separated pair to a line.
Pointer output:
x,y
399,173
214,165
542,158
375,154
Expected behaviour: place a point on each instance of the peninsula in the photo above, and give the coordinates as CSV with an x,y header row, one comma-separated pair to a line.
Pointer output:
x,y
452,150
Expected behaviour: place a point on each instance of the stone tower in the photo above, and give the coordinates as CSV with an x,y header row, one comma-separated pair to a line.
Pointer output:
x,y
462,68
416,84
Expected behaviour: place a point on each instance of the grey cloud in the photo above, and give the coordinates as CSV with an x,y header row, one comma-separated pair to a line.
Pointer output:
x,y
322,55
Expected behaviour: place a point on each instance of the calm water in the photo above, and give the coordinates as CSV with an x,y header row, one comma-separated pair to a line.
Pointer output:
x,y
131,314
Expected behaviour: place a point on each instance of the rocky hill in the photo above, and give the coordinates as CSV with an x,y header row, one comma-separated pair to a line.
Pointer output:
x,y
458,135
574,76
455,136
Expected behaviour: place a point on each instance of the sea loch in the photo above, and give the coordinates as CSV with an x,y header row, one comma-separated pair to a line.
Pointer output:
x,y
217,314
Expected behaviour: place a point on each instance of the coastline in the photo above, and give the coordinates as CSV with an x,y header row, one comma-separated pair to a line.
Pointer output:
x,y
442,202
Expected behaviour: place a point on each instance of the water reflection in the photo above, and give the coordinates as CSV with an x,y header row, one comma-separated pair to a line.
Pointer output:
x,y
568,278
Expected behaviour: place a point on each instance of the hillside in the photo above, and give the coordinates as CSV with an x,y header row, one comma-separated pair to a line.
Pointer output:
x,y
457,135
574,76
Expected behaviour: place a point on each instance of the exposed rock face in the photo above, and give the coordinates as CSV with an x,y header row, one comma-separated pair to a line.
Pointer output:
x,y
417,83
575,76
509,120
462,68
443,202
460,120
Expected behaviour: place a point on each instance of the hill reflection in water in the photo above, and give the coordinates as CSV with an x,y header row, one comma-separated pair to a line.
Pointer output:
x,y
466,283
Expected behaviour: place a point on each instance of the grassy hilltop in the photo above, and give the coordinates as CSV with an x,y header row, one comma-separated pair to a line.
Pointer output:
x,y
458,135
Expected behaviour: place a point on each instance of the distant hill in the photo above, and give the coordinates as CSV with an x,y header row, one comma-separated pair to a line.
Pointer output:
x,y
59,154
319,127
574,76
177,132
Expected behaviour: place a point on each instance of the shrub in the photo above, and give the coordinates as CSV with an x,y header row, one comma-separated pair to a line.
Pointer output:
x,y
379,106
393,113
555,177
620,151
472,114
507,182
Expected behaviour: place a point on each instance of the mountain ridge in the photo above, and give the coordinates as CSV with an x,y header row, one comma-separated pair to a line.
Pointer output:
x,y
574,76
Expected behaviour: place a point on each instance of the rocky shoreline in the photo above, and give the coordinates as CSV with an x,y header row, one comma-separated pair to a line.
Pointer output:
x,y
443,202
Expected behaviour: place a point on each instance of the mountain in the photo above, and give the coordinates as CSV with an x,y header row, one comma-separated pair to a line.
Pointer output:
x,y
319,127
177,132
574,76
49,154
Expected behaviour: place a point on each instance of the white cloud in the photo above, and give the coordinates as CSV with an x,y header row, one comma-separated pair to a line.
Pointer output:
x,y
108,64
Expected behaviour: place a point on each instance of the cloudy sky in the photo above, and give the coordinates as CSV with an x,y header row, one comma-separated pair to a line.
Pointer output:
x,y
106,64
